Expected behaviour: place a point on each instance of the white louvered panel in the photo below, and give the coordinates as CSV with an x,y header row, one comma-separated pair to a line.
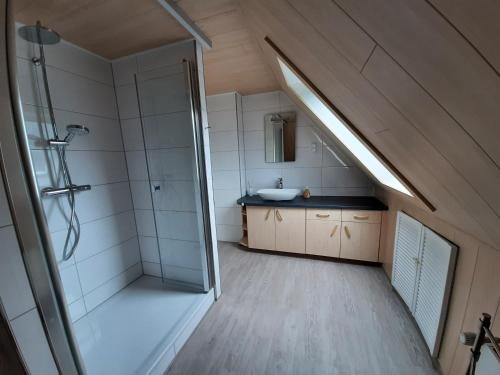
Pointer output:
x,y
406,251
432,292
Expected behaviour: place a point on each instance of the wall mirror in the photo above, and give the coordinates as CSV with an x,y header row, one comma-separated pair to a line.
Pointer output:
x,y
279,137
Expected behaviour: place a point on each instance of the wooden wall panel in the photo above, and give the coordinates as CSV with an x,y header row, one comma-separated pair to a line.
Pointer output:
x,y
477,20
117,28
437,56
331,22
376,117
475,286
436,125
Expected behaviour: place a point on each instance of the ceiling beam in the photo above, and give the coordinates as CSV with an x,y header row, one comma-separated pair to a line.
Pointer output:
x,y
175,11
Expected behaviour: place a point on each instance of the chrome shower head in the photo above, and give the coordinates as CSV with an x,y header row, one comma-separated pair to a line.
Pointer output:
x,y
75,130
47,36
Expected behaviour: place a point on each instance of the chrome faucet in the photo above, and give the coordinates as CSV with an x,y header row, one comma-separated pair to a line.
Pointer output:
x,y
280,183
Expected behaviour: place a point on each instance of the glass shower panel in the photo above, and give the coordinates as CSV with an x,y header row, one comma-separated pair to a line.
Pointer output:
x,y
171,146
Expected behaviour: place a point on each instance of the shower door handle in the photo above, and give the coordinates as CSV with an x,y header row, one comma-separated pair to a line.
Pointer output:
x,y
155,188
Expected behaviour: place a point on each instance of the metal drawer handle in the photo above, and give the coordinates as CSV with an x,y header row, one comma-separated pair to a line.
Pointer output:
x,y
323,215
361,217
278,215
268,212
347,232
333,231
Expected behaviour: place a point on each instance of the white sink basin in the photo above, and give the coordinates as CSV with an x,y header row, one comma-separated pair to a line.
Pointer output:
x,y
278,194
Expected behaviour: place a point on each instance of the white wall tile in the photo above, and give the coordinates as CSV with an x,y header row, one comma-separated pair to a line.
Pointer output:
x,y
149,249
261,101
72,59
171,164
152,269
162,95
224,141
141,195
254,120
181,253
74,93
105,233
306,157
334,157
145,223
97,167
103,292
124,70
349,191
301,177
126,96
137,167
255,159
5,218
228,215
230,233
343,177
164,56
15,289
186,275
222,121
77,309
262,178
69,279
254,140
102,267
177,225
132,134
33,344
226,179
225,161
284,100
226,197
170,130
29,83
174,195
102,201
221,102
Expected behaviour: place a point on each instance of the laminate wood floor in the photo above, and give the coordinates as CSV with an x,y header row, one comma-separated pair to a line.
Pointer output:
x,y
288,315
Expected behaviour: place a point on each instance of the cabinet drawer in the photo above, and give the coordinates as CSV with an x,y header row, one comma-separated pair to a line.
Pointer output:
x,y
318,214
361,216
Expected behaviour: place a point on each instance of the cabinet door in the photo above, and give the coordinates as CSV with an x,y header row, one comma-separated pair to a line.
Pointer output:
x,y
291,229
360,241
323,237
261,228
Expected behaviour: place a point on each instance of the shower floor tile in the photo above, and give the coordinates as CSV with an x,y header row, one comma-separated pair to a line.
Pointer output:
x,y
127,333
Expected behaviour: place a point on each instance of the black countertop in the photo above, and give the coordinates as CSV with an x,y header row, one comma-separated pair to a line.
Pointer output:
x,y
335,202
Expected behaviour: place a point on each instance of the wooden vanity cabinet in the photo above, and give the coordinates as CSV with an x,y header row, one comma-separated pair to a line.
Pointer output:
x,y
323,232
290,229
347,234
360,235
261,228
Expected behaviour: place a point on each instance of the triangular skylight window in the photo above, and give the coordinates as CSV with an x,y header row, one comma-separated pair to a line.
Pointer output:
x,y
331,120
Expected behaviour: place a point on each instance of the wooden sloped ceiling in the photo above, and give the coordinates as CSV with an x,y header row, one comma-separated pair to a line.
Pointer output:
x,y
117,28
412,84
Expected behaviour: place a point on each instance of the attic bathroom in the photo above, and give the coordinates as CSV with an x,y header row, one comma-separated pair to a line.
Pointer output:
x,y
247,187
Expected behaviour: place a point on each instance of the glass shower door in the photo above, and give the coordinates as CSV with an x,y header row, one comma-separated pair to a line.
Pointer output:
x,y
170,126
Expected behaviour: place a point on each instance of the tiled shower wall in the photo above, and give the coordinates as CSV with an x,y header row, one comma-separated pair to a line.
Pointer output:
x,y
238,157
17,300
82,89
167,150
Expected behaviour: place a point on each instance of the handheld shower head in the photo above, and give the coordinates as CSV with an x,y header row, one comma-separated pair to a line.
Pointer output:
x,y
75,130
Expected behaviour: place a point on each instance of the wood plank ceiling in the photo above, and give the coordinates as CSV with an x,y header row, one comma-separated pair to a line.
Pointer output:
x,y
117,28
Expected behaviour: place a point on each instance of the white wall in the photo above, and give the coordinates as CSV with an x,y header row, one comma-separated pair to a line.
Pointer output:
x,y
82,89
320,163
238,157
17,299
167,150
226,136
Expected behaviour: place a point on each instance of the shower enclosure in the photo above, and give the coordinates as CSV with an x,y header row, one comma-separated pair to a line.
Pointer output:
x,y
115,165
